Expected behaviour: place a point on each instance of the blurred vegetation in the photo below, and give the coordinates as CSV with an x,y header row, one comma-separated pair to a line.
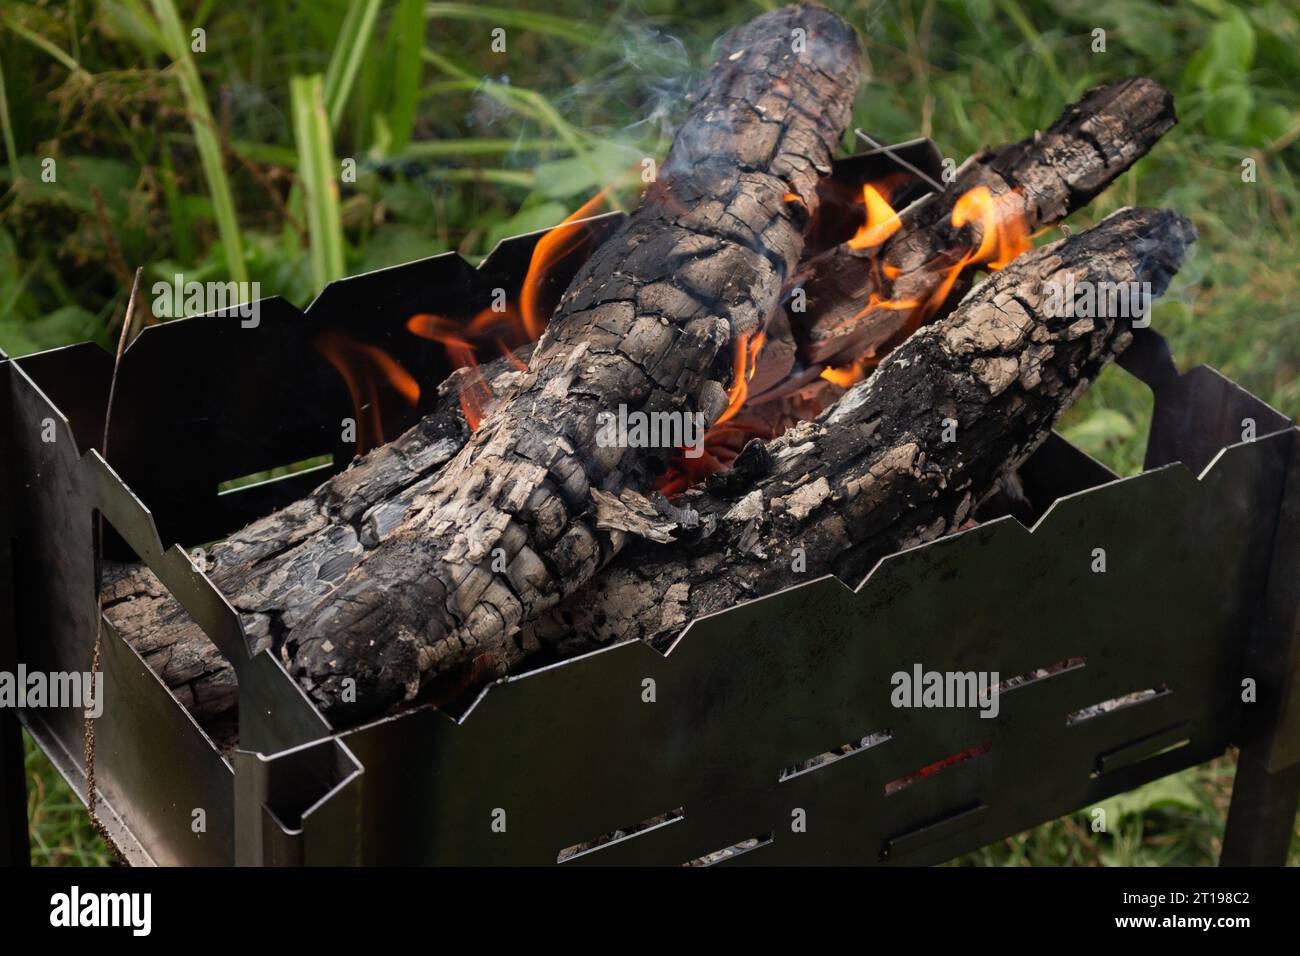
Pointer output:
x,y
221,159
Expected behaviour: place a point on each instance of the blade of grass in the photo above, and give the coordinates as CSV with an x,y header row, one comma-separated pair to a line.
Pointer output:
x,y
408,23
349,50
427,149
340,74
316,174
1017,14
38,41
205,137
11,151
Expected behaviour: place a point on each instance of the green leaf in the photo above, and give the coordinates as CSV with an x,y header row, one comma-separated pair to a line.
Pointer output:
x,y
585,175
1227,55
394,244
1271,122
1229,111
527,220
68,324
1099,429
318,175
73,178
1175,792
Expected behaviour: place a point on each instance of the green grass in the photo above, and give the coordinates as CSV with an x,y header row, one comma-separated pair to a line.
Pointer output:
x,y
60,831
457,146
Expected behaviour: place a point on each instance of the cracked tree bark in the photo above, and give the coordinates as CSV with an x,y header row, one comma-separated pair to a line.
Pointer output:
x,y
507,527
285,563
848,489
1044,178
874,474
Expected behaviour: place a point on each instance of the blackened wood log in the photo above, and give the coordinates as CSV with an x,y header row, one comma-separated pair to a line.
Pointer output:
x,y
875,474
441,568
1043,178
508,527
854,486
276,569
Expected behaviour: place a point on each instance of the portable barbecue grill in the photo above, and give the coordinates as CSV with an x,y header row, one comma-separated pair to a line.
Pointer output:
x,y
770,737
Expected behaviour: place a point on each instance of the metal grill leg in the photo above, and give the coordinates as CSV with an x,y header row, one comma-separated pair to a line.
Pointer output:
x,y
1261,819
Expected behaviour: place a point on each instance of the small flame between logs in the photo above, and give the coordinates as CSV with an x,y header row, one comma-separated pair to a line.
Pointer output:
x,y
999,234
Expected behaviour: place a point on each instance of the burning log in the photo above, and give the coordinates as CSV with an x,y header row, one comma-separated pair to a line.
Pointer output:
x,y
277,570
873,475
506,527
877,473
869,293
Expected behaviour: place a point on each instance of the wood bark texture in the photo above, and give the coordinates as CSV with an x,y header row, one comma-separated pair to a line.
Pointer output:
x,y
873,475
876,473
509,524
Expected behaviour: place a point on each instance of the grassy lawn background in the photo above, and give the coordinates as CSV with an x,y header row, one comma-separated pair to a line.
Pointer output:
x,y
457,146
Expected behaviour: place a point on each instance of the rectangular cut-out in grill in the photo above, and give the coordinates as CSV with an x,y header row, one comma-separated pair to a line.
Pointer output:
x,y
733,851
839,753
933,830
929,770
1115,703
1042,673
1144,748
620,835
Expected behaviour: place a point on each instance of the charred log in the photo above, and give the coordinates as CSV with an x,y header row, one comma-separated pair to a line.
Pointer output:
x,y
876,473
871,476
509,524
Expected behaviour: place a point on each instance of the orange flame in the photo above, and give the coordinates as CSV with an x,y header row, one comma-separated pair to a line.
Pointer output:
x,y
1003,230
846,375
743,368
550,250
882,219
506,328
1000,232
726,436
358,363
475,394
